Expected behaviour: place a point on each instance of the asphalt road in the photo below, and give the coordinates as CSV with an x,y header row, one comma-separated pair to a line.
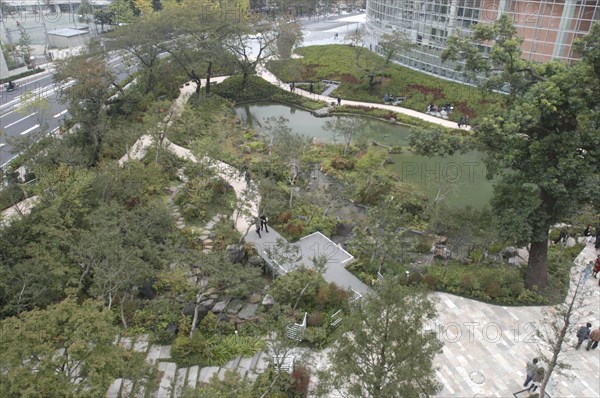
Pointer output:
x,y
19,117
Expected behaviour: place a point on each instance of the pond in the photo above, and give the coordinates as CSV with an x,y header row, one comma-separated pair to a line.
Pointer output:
x,y
458,180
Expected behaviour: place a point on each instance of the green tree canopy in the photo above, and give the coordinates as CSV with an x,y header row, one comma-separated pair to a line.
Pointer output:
x,y
65,350
383,349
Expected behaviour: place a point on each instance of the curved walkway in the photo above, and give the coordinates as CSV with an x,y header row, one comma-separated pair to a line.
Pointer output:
x,y
271,78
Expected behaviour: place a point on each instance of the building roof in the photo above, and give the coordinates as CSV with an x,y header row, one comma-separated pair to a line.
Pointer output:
x,y
68,32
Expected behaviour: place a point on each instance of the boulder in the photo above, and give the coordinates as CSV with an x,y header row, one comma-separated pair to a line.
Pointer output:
x,y
268,301
509,252
248,311
254,298
188,309
234,306
208,304
255,261
220,306
235,253
223,318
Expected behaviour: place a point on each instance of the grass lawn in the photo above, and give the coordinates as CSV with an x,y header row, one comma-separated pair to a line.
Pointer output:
x,y
338,62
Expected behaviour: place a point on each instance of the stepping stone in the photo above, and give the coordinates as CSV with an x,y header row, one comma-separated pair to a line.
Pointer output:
x,y
153,354
207,373
127,388
234,306
126,342
251,376
206,250
141,345
212,235
209,247
220,306
216,218
245,363
203,237
168,369
248,311
165,352
242,372
180,226
179,382
222,373
234,363
141,393
192,378
210,224
113,390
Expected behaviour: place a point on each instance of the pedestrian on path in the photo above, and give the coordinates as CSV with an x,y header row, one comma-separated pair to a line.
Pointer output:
x,y
530,369
339,101
263,222
257,225
596,268
583,334
537,379
594,339
587,234
311,88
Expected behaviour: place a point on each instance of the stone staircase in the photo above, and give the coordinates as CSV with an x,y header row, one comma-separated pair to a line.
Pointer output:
x,y
173,379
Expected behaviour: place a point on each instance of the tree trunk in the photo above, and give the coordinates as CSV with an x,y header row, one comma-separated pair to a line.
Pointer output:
x,y
123,320
537,265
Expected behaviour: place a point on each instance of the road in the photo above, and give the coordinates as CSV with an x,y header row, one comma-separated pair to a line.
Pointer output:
x,y
17,118
20,116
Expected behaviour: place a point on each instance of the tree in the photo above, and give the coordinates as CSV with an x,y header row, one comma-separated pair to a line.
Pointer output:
x,y
356,39
122,11
537,145
290,36
103,17
382,349
241,38
216,275
24,45
290,148
348,127
142,41
558,321
89,80
394,43
65,350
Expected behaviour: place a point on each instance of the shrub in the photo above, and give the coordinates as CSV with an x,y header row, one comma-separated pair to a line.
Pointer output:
x,y
300,381
430,281
294,229
315,319
316,336
287,288
343,163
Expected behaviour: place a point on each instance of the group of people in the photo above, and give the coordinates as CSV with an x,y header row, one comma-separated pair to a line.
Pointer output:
x,y
535,375
11,85
260,223
586,333
463,121
436,108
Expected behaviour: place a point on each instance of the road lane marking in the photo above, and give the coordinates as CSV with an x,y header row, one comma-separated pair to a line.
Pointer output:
x,y
23,118
59,114
29,130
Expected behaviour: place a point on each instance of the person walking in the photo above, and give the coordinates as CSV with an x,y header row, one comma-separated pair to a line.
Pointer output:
x,y
263,222
583,334
594,339
339,99
311,88
587,234
530,369
596,268
257,226
537,379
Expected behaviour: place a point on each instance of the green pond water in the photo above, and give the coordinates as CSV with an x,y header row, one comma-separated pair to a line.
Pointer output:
x,y
458,180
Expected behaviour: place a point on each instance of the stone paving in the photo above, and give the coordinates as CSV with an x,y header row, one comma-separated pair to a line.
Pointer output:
x,y
172,379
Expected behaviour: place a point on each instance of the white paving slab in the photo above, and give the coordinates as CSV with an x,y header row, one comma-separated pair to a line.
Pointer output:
x,y
168,376
115,387
179,382
192,378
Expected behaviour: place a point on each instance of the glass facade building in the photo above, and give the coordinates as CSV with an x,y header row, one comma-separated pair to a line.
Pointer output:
x,y
548,27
